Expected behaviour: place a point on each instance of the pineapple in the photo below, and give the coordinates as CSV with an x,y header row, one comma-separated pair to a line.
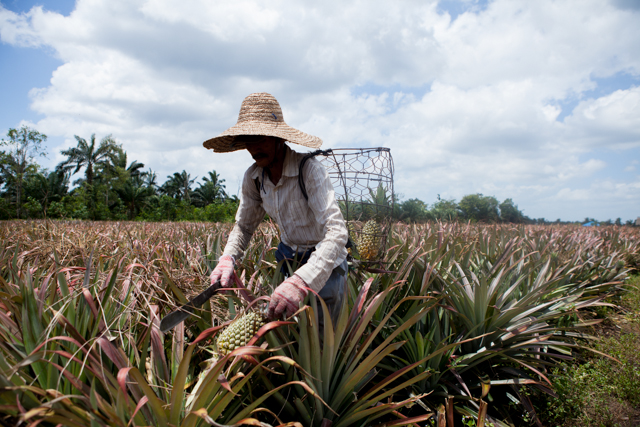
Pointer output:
x,y
239,332
369,242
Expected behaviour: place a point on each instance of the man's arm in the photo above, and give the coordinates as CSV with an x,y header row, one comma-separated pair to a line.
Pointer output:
x,y
330,251
250,214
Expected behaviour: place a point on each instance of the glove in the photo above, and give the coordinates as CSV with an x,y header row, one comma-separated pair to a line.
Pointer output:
x,y
287,297
223,271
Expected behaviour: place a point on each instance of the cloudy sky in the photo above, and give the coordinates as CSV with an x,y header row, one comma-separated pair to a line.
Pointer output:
x,y
538,101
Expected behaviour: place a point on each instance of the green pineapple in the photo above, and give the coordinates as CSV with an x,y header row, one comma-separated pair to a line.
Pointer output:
x,y
239,332
369,242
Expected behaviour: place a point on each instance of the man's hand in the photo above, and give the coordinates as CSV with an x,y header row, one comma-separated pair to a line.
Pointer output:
x,y
223,271
287,297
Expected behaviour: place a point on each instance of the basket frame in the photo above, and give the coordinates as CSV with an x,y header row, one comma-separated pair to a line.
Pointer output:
x,y
350,182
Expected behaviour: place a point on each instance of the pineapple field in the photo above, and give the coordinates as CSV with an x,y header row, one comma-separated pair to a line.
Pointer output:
x,y
443,324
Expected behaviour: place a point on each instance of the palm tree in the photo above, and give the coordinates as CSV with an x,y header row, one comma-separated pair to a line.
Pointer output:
x,y
211,190
179,186
114,173
119,160
149,180
134,197
89,156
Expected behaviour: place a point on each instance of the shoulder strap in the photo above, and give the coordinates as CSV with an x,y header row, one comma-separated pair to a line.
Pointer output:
x,y
259,185
303,188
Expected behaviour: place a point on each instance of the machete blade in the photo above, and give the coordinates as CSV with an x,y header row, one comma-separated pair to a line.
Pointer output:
x,y
175,317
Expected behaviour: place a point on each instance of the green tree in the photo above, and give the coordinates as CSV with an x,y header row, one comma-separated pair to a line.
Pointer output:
x,y
88,156
149,180
477,207
509,212
18,160
47,187
119,160
114,174
178,186
210,191
445,209
135,197
415,210
91,156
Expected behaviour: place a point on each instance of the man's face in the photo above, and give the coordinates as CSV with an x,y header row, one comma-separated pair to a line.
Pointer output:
x,y
263,149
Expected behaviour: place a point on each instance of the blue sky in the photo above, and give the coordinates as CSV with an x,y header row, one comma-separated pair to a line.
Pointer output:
x,y
536,101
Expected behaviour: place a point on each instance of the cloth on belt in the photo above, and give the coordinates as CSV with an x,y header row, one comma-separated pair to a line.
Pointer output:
x,y
294,259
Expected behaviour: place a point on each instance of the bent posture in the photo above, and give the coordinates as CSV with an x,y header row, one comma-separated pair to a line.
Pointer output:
x,y
312,228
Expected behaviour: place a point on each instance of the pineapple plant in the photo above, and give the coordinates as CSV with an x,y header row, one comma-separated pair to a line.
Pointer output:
x,y
239,332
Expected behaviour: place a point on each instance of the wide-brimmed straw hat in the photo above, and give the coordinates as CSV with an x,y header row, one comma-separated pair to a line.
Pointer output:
x,y
260,114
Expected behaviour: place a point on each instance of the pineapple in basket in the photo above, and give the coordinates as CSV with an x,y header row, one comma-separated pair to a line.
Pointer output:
x,y
369,242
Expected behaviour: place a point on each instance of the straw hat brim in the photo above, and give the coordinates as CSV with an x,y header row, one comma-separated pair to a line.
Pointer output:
x,y
224,143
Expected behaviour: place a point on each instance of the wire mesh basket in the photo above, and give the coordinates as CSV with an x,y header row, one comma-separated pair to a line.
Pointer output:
x,y
363,182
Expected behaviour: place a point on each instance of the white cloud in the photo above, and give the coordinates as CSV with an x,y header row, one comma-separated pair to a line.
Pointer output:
x,y
469,105
612,121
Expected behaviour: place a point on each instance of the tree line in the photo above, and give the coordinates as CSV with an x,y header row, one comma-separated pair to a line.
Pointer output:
x,y
112,188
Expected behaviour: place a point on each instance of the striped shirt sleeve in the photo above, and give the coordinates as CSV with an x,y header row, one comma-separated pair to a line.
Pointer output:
x,y
249,215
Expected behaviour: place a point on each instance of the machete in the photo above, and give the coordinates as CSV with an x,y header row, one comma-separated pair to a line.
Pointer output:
x,y
169,321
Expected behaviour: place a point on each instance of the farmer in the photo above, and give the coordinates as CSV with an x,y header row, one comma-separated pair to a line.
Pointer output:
x,y
312,229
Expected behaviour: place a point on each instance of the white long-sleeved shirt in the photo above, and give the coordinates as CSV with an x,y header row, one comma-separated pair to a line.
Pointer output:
x,y
303,224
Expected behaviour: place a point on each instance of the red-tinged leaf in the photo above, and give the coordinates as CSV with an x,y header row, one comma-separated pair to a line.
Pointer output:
x,y
459,378
122,381
225,384
362,296
70,269
89,299
202,413
112,352
156,405
243,291
20,407
157,347
133,265
39,411
98,373
41,294
257,300
380,271
275,416
207,333
69,327
249,422
69,376
405,421
266,328
139,406
245,351
543,376
59,338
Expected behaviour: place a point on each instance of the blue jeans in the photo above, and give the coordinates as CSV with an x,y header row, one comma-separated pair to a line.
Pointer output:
x,y
333,292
